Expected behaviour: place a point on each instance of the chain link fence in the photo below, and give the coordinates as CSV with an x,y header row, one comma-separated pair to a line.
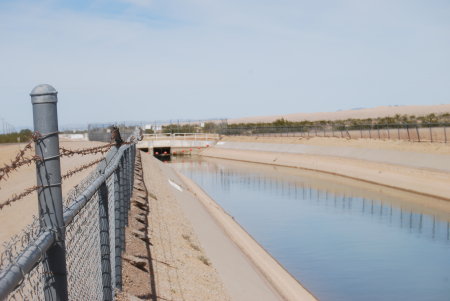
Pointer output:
x,y
89,245
417,132
74,253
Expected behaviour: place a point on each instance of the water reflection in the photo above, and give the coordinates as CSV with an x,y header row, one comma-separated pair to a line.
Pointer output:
x,y
344,240
385,212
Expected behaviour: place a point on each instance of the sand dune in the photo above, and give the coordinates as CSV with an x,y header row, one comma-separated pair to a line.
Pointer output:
x,y
382,111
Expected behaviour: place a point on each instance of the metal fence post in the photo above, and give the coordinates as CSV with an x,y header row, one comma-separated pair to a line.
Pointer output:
x,y
445,133
105,249
118,231
48,171
127,156
122,189
417,131
431,132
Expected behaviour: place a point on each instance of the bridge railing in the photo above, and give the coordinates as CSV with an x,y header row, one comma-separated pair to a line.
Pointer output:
x,y
73,250
181,136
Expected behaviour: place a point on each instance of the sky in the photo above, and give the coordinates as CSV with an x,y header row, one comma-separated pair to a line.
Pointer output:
x,y
124,60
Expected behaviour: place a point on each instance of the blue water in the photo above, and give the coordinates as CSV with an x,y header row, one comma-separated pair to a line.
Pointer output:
x,y
341,240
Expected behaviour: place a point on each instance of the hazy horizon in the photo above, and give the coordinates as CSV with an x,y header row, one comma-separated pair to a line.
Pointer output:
x,y
167,60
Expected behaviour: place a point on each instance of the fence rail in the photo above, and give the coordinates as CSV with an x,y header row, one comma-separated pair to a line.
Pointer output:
x,y
73,250
418,132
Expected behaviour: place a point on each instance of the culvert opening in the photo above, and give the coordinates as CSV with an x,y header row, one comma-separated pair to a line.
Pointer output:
x,y
162,153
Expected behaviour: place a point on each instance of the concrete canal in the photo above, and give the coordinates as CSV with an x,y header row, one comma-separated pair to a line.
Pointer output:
x,y
341,238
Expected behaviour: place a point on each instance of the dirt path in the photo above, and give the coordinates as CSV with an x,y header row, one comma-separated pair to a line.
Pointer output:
x,y
182,269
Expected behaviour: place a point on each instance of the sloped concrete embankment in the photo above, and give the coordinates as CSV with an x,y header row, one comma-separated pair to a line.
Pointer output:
x,y
422,173
200,252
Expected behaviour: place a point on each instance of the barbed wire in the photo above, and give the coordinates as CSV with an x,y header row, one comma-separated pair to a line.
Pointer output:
x,y
65,152
81,168
20,159
19,196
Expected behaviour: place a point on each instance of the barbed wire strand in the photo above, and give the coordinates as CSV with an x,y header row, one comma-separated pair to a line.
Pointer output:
x,y
19,196
81,168
65,152
20,159
16,197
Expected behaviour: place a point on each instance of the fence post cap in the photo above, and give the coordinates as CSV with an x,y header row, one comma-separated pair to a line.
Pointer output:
x,y
43,90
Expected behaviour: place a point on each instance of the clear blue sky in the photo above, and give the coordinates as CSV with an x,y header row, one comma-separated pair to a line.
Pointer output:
x,y
170,59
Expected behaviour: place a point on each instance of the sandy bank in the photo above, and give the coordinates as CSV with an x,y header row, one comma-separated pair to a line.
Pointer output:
x,y
419,172
247,271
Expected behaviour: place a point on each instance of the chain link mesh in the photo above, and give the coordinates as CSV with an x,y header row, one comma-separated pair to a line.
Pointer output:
x,y
83,245
83,254
32,287
112,224
78,189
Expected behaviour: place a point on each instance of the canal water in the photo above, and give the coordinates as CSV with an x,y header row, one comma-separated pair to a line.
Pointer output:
x,y
342,239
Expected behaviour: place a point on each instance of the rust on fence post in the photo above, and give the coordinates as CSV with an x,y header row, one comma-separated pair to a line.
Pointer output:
x,y
48,172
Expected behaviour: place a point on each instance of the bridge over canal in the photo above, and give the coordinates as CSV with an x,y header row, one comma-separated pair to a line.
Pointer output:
x,y
166,144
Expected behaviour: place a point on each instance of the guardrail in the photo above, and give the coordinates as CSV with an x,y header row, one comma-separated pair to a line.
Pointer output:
x,y
73,250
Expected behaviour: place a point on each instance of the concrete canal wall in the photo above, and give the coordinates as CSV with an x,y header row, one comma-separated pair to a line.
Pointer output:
x,y
424,170
236,266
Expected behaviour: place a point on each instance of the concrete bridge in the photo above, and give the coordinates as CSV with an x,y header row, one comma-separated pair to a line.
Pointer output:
x,y
167,144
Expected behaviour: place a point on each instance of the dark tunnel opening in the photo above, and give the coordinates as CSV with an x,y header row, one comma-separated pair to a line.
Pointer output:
x,y
162,153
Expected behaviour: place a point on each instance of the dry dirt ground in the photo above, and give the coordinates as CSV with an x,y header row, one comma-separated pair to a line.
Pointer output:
x,y
181,269
15,217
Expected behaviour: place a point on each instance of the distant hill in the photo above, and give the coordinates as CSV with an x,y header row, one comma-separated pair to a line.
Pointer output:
x,y
357,113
